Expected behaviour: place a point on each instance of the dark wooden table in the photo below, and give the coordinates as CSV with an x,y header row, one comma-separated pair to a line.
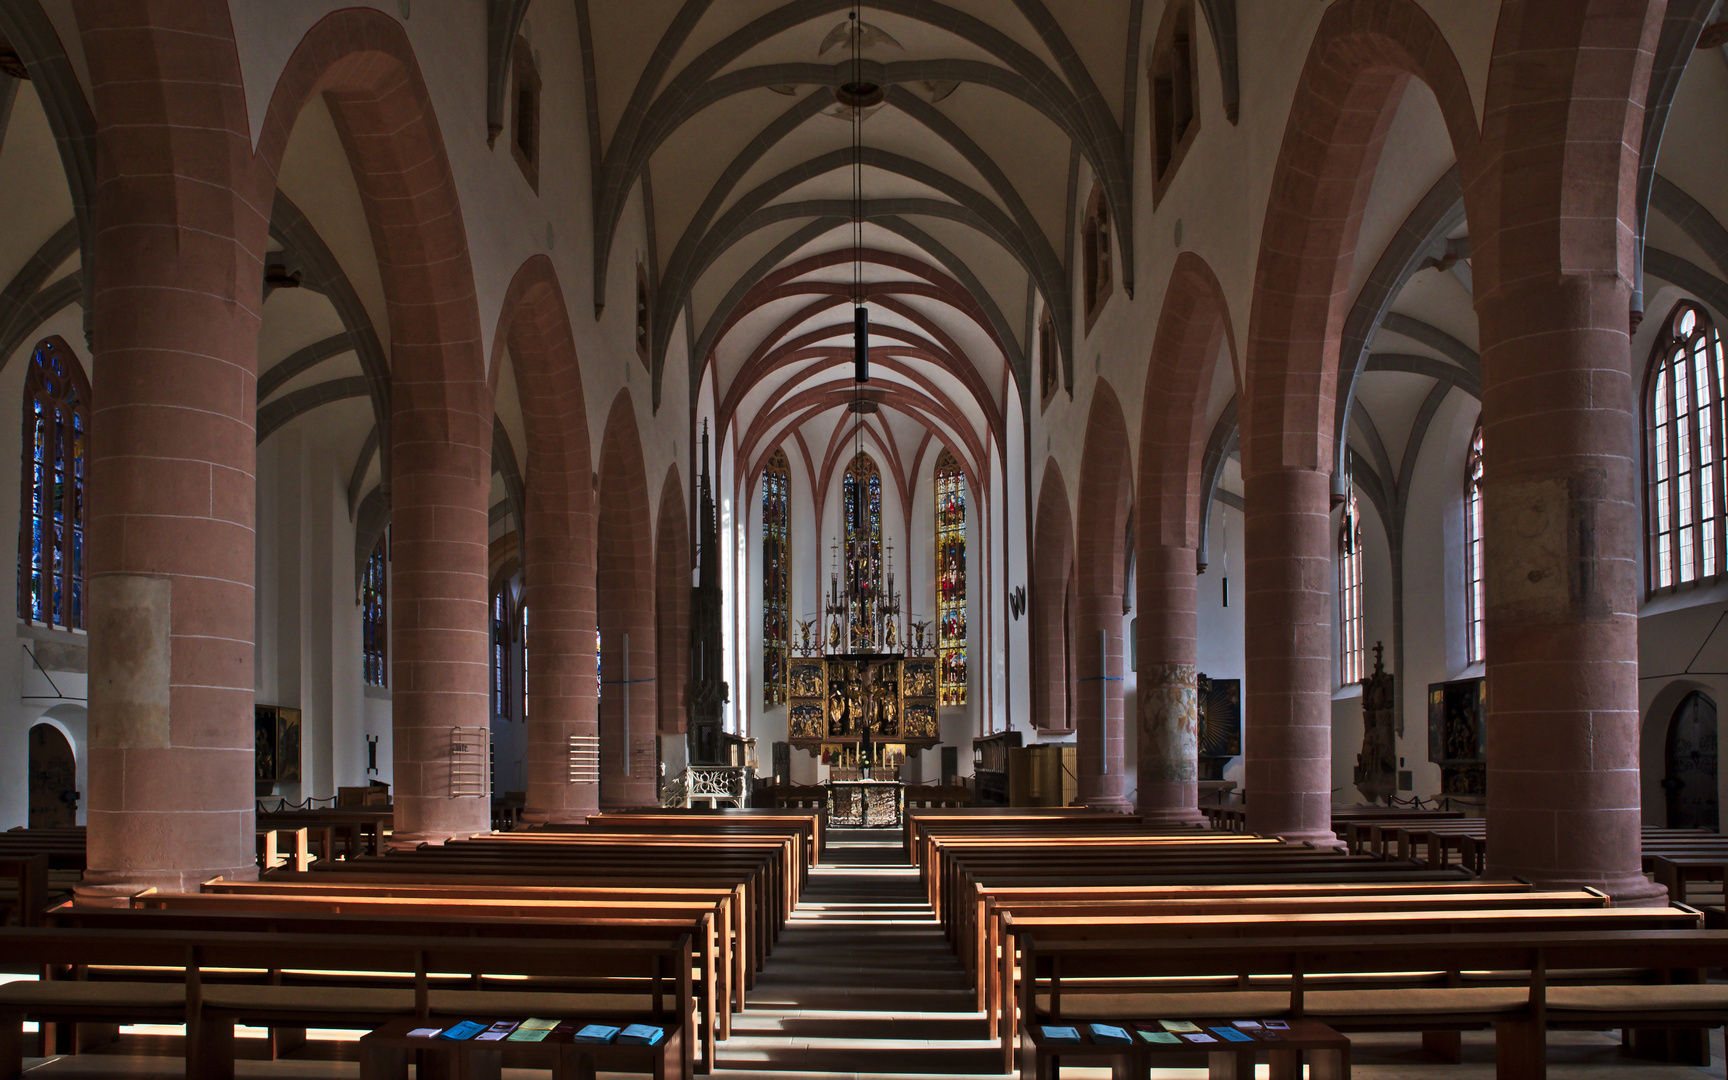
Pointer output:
x,y
384,1053
1328,1053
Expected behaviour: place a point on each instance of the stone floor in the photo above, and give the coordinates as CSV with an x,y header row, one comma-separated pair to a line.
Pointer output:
x,y
862,984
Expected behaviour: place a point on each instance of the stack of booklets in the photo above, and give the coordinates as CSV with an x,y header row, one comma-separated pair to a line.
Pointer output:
x,y
1061,1033
642,1035
532,1030
467,1029
596,1033
1110,1034
1177,1032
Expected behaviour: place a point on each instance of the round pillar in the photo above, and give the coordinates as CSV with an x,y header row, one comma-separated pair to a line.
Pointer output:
x,y
1099,747
1287,767
441,642
1562,535
1168,701
170,537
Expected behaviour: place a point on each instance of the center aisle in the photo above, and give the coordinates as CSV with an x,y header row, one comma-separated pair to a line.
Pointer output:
x,y
861,981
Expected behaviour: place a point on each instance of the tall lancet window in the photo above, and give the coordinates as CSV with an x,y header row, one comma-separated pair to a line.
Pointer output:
x,y
501,639
1473,592
375,614
863,509
951,578
1683,423
776,578
51,526
1350,650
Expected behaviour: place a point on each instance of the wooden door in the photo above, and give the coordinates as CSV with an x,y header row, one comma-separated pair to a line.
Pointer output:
x,y
53,779
1691,760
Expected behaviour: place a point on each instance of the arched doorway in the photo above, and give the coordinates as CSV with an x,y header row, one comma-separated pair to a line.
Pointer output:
x,y
1690,780
53,779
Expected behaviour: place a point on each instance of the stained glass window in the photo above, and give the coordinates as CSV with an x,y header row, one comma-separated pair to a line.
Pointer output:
x,y
863,508
501,638
1473,594
1683,463
51,527
1350,651
375,614
951,579
524,660
776,579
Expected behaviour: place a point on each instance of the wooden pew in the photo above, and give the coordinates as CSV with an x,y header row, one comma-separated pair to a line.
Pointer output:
x,y
1048,932
731,926
23,889
1521,1012
234,913
652,980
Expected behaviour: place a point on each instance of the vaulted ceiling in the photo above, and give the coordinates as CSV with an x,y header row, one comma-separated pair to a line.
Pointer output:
x,y
729,115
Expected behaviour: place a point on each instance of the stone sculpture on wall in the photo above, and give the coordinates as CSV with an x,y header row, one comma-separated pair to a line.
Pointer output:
x,y
1377,765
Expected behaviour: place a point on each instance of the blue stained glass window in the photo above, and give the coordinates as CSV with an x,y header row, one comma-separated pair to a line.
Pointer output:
x,y
951,578
864,545
375,614
776,578
51,543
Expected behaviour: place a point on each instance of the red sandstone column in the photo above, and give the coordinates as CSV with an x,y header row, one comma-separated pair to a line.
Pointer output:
x,y
1287,773
1168,702
558,576
170,607
1103,770
440,479
1563,533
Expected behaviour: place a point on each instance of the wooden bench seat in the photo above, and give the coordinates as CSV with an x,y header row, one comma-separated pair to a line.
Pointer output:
x,y
1521,1014
626,975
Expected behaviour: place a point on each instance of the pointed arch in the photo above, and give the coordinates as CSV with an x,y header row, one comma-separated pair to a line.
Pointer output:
x,y
1053,589
51,525
625,607
672,584
949,489
534,337
861,506
776,482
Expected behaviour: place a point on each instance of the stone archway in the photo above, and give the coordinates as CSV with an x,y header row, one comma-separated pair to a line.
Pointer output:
x,y
1362,58
534,336
1193,327
1052,606
624,601
1100,565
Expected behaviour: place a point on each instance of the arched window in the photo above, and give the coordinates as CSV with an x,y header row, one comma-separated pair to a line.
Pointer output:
x,y
1175,94
951,579
51,526
501,640
863,508
375,614
1350,650
776,578
1473,594
1049,370
1095,244
1683,425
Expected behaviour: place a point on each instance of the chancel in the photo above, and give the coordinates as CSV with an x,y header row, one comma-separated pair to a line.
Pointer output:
x,y
824,538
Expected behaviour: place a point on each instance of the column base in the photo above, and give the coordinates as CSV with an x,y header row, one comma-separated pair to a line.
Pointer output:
x,y
1114,804
115,888
533,817
1323,838
399,841
1628,890
1173,815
